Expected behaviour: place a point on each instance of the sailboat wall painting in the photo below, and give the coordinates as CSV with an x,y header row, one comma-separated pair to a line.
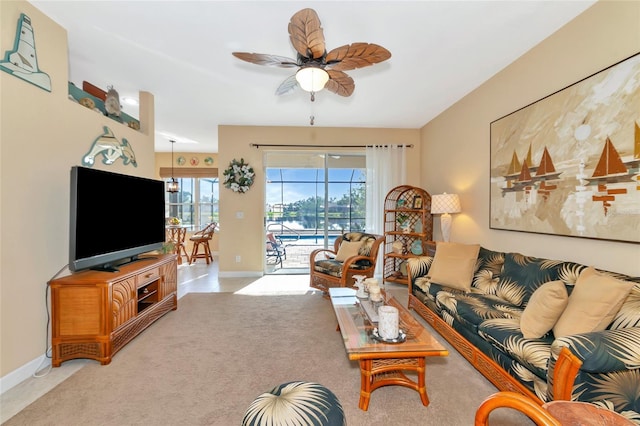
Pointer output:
x,y
569,164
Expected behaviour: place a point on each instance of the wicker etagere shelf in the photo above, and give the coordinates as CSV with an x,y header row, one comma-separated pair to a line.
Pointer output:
x,y
408,227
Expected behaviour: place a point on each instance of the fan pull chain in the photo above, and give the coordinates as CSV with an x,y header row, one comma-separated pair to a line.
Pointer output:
x,y
312,116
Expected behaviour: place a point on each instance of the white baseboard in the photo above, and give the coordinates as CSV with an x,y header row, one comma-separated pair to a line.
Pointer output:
x,y
22,373
240,274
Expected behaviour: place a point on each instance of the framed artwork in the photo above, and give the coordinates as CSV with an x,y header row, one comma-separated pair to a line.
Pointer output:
x,y
417,202
569,164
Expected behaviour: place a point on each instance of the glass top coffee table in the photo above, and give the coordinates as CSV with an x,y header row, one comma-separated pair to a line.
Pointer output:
x,y
383,364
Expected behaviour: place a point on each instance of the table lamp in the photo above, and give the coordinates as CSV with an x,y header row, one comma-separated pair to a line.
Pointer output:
x,y
445,204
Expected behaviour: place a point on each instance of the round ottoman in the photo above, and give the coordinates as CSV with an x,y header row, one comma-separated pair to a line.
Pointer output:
x,y
295,403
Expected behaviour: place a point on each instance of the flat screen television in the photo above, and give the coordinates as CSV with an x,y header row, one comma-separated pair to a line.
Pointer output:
x,y
113,218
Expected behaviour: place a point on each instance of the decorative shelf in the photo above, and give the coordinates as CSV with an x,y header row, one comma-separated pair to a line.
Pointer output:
x,y
406,209
80,96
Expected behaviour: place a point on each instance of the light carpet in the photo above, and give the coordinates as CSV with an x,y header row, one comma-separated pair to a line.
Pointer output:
x,y
206,362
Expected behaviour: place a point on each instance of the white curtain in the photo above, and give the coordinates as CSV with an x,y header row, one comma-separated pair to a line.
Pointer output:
x,y
386,169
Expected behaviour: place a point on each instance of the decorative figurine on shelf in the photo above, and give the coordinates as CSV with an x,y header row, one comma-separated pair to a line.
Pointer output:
x,y
416,247
359,279
361,293
112,103
401,218
406,227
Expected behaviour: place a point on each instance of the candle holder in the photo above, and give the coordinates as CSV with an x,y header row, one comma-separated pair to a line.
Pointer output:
x,y
388,322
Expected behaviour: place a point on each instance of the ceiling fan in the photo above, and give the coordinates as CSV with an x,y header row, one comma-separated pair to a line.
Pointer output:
x,y
318,69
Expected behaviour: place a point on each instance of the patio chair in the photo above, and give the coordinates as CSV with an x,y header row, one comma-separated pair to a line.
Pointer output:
x,y
275,249
354,253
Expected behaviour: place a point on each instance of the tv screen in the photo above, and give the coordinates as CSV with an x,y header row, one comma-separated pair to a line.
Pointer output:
x,y
114,218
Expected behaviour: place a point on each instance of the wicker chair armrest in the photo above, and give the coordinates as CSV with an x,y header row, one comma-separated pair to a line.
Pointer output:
x,y
316,252
516,401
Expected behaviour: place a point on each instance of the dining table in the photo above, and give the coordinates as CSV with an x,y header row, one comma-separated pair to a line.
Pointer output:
x,y
177,235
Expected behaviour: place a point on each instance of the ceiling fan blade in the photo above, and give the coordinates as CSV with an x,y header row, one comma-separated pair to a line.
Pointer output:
x,y
356,55
287,86
340,83
306,34
264,59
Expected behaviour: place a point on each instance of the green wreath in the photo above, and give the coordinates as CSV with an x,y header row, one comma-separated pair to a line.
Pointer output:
x,y
238,177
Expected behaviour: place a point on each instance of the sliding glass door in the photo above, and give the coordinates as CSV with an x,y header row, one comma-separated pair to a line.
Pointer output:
x,y
311,198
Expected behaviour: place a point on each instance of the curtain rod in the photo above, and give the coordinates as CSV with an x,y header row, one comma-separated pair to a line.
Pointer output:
x,y
258,145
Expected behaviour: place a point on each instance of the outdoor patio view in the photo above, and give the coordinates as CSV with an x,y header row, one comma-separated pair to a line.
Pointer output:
x,y
308,208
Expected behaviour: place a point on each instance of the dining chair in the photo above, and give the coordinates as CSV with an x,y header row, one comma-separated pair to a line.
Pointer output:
x,y
201,240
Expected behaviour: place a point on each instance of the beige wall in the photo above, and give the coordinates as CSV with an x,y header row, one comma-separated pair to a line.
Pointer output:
x,y
43,134
245,237
455,155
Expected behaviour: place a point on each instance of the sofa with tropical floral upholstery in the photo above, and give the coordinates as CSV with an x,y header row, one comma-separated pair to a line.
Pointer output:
x,y
527,322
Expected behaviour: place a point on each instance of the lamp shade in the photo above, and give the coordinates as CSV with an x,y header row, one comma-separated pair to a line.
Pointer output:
x,y
312,79
445,203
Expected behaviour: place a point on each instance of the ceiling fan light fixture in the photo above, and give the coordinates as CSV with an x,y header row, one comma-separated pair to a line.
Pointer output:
x,y
312,79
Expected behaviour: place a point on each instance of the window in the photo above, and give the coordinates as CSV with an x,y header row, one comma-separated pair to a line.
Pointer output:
x,y
325,195
196,203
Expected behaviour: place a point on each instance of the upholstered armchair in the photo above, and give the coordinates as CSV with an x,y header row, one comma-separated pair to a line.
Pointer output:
x,y
354,253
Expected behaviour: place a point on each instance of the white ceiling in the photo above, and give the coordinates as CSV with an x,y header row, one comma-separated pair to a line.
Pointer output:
x,y
181,52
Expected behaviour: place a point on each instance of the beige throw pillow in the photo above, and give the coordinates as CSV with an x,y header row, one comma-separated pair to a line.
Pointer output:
x,y
454,264
594,302
348,249
543,310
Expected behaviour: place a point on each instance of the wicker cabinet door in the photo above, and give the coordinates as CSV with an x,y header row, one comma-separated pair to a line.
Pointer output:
x,y
169,281
123,301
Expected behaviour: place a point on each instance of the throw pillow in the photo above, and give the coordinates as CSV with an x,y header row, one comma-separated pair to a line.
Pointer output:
x,y
594,302
348,249
365,248
543,310
454,264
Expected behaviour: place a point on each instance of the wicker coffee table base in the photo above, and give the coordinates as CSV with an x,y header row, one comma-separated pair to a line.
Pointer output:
x,y
376,373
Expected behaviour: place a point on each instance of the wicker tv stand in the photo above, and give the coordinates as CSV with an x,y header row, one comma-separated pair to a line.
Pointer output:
x,y
96,313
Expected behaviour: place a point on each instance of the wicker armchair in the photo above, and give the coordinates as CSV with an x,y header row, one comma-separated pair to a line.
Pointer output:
x,y
326,271
516,401
553,413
